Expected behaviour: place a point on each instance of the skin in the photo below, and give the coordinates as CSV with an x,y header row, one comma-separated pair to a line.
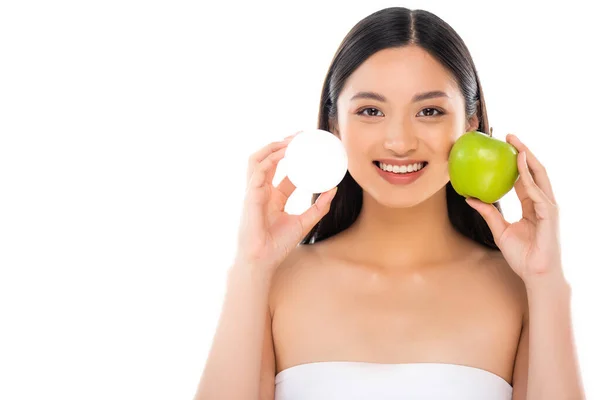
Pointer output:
x,y
400,285
376,292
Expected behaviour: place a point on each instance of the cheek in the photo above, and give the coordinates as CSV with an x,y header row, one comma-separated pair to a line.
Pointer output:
x,y
355,146
438,142
356,138
359,148
441,139
456,133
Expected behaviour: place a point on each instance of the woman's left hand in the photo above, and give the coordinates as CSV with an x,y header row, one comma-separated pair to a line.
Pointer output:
x,y
531,246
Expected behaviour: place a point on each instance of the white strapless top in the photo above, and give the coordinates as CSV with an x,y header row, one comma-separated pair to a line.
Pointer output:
x,y
333,380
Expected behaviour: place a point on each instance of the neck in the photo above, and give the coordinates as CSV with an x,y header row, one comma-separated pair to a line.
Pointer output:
x,y
411,237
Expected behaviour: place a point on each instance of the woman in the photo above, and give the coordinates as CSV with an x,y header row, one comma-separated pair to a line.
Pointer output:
x,y
398,290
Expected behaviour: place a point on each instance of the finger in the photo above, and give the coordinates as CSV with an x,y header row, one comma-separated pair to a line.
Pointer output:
x,y
492,217
317,211
264,172
531,188
526,202
542,205
292,135
263,153
538,170
260,155
286,187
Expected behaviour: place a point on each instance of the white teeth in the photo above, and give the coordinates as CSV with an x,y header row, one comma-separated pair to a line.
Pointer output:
x,y
401,169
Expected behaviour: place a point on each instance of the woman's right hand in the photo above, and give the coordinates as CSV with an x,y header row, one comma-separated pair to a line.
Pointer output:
x,y
267,234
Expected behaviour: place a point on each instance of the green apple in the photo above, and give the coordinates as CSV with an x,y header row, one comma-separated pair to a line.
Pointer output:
x,y
482,167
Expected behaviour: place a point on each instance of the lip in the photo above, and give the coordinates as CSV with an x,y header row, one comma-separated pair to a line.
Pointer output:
x,y
392,161
400,179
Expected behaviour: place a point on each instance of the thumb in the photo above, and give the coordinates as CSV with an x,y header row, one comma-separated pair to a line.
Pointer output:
x,y
317,211
491,215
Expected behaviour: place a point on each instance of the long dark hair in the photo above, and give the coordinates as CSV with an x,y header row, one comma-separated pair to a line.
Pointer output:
x,y
396,27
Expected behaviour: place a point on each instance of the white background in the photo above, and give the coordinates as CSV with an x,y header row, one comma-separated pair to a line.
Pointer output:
x,y
125,128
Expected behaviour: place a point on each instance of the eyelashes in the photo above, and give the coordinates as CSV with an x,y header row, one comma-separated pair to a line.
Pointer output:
x,y
360,112
439,112
429,112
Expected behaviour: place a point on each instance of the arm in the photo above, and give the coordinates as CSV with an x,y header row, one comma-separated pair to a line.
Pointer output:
x,y
233,367
546,365
241,362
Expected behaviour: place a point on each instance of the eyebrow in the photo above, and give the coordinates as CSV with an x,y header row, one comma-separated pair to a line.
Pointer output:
x,y
416,98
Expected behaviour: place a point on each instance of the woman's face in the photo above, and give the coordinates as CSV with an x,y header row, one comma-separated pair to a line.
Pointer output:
x,y
415,111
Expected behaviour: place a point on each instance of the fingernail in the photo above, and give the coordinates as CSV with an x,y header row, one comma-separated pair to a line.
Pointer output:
x,y
292,135
329,195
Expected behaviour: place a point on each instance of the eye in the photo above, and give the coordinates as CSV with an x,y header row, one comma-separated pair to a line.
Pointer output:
x,y
430,112
369,110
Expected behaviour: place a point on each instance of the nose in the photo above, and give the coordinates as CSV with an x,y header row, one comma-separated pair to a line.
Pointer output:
x,y
401,140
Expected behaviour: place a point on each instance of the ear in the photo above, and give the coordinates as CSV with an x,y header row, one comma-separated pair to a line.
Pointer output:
x,y
473,123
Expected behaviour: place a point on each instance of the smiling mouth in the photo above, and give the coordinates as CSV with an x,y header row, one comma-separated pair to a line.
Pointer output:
x,y
401,170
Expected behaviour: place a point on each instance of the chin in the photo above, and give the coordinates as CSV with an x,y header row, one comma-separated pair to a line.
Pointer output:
x,y
405,196
404,202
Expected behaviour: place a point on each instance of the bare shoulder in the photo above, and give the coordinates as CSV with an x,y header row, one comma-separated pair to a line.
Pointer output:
x,y
291,273
505,277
